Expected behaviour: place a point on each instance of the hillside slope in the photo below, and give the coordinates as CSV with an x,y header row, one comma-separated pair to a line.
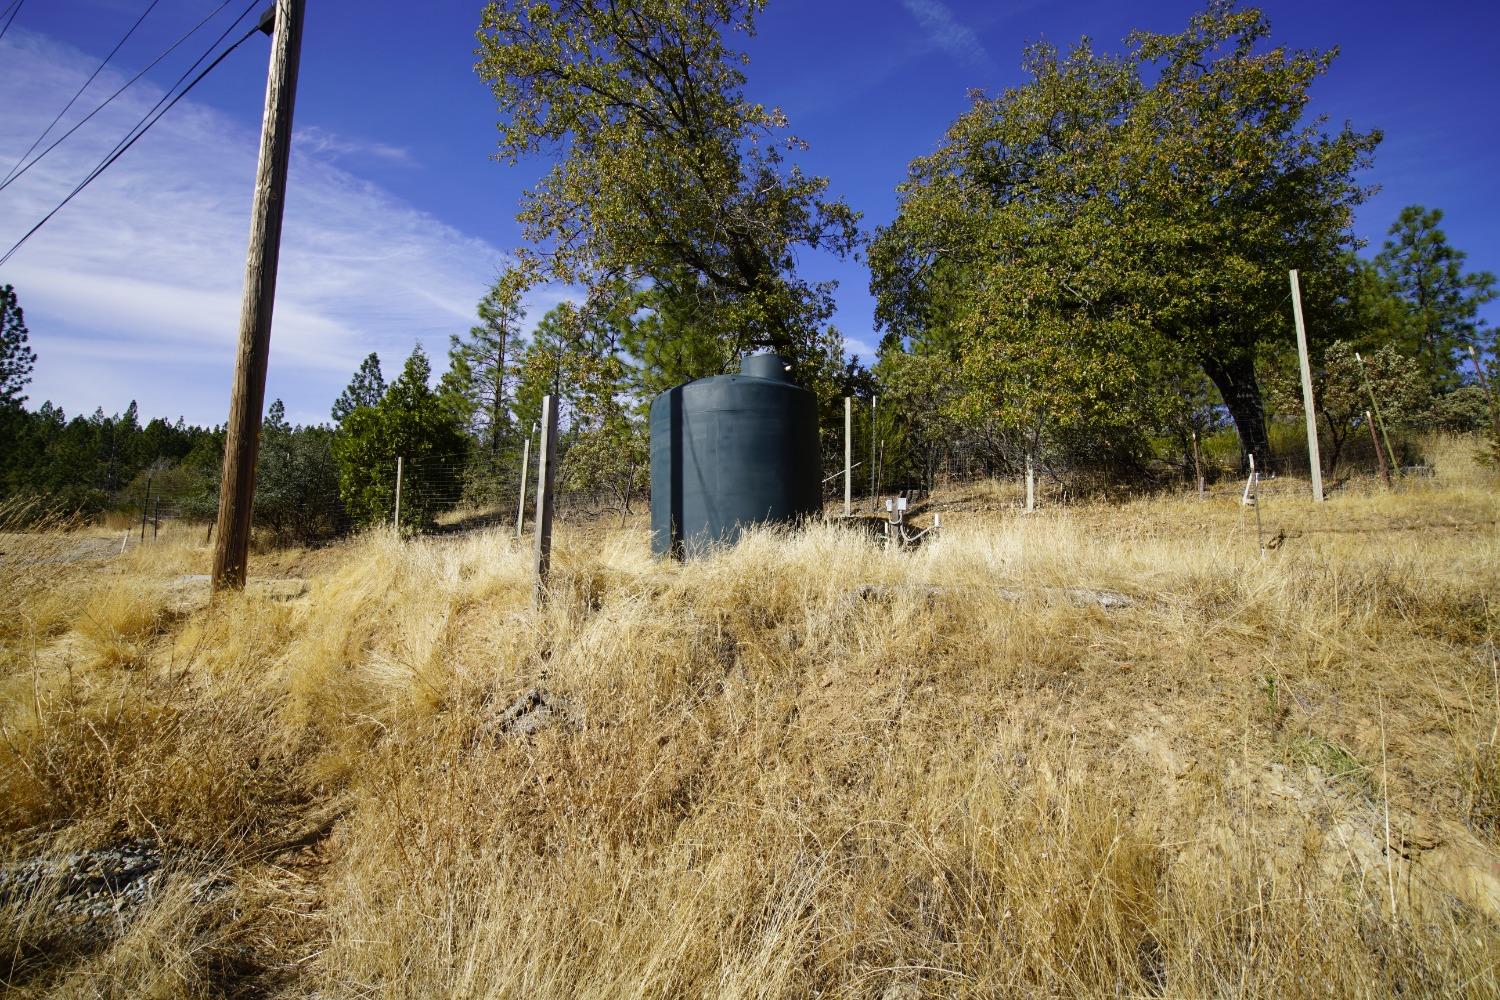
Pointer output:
x,y
1094,751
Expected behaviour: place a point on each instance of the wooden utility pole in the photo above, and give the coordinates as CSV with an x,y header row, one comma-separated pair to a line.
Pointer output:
x,y
546,477
247,399
848,456
874,500
525,461
1313,459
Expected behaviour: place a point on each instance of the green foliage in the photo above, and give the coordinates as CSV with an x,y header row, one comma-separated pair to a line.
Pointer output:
x,y
1080,242
666,175
478,375
365,389
296,480
674,339
88,465
1434,315
16,356
1462,411
412,422
602,442
1344,382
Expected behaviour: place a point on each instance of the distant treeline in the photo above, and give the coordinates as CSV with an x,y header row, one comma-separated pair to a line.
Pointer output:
x,y
1088,274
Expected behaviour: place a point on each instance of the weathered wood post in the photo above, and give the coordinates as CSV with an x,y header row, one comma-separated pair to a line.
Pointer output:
x,y
247,398
1313,458
1385,470
525,463
396,516
546,478
1197,465
848,456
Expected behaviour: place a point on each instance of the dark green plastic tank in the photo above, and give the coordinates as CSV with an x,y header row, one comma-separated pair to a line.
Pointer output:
x,y
731,451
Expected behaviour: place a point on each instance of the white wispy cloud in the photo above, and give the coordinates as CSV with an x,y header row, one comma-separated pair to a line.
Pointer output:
x,y
946,32
133,290
333,146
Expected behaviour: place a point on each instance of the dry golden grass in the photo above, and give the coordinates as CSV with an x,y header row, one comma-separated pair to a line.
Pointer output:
x,y
1268,776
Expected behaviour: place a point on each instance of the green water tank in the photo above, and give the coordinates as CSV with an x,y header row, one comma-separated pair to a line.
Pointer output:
x,y
731,451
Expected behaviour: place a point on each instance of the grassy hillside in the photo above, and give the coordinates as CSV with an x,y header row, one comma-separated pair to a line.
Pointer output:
x,y
1095,751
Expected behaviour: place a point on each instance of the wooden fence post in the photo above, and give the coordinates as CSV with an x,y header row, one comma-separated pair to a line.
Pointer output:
x,y
1314,460
525,462
848,456
546,477
1385,470
1197,465
396,517
1030,485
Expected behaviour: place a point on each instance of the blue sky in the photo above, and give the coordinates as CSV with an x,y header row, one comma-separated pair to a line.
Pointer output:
x,y
397,219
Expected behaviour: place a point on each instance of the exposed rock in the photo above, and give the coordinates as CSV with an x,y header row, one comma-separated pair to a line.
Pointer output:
x,y
1107,599
535,710
96,893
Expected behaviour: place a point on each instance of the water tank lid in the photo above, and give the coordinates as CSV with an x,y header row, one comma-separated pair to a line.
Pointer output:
x,y
767,365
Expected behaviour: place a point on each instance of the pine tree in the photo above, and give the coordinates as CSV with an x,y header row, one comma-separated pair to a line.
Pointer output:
x,y
1441,314
411,422
365,389
478,370
16,356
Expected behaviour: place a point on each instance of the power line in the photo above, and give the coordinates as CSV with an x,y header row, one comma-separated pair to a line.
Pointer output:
x,y
142,124
121,149
99,69
13,10
107,101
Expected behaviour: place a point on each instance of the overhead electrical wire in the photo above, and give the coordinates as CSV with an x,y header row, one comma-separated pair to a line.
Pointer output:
x,y
128,137
79,93
110,99
12,10
124,145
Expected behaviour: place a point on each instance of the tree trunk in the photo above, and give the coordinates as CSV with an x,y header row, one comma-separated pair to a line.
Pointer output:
x,y
1236,383
497,401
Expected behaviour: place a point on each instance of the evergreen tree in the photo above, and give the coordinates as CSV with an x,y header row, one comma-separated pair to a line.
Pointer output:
x,y
16,356
412,422
365,389
478,370
1440,301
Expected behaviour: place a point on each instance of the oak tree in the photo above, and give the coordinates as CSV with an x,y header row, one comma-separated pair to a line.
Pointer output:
x,y
664,172
1080,238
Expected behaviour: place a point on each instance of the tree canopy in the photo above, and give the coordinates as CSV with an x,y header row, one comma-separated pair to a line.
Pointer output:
x,y
1080,240
664,172
1437,300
